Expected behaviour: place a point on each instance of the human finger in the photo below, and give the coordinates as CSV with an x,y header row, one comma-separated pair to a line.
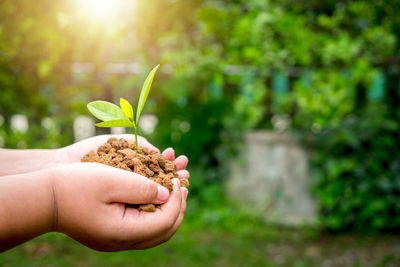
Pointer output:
x,y
169,154
167,236
147,225
132,188
183,174
181,162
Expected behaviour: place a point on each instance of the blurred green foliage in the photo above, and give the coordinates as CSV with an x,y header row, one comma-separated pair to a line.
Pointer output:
x,y
356,173
331,67
320,63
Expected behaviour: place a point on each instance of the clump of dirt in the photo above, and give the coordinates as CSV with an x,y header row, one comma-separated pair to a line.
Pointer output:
x,y
120,153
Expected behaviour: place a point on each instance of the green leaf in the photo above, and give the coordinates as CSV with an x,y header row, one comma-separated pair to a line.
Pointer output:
x,y
115,123
145,92
105,111
126,108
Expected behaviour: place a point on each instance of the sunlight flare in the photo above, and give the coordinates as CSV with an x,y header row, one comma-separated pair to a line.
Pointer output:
x,y
100,9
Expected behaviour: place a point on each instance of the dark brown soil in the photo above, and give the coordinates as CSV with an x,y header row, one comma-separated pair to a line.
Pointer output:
x,y
151,164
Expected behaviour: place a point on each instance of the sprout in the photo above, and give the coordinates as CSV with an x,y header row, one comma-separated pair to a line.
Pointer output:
x,y
114,116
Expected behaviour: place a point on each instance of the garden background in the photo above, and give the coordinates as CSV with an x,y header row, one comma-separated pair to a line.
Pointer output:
x,y
327,71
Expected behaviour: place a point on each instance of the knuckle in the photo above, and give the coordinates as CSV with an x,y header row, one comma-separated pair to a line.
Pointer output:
x,y
150,190
184,174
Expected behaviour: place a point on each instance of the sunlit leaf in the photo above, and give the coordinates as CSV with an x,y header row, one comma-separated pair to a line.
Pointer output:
x,y
115,123
126,108
145,92
105,111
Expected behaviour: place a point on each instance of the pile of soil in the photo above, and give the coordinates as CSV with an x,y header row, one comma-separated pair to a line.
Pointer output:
x,y
151,164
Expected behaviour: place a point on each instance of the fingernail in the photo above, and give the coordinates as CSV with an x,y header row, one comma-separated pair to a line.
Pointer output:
x,y
163,193
176,183
185,192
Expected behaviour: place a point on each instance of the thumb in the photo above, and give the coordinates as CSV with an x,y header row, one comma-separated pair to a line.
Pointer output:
x,y
132,188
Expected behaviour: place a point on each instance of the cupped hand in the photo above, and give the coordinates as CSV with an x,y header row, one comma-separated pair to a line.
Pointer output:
x,y
90,206
75,152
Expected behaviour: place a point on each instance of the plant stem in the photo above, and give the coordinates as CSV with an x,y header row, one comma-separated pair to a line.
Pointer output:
x,y
136,143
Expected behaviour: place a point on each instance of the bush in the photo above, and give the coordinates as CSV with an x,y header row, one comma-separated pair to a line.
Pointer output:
x,y
357,173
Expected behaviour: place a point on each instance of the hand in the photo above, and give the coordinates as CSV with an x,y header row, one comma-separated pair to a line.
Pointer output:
x,y
75,152
85,200
90,207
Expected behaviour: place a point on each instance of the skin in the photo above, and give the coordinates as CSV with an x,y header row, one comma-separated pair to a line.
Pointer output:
x,y
51,190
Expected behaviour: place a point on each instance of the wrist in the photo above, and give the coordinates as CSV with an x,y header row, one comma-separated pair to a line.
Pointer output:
x,y
46,203
50,184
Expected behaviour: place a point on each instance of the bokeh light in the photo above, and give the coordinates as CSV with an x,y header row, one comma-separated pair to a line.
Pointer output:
x,y
100,9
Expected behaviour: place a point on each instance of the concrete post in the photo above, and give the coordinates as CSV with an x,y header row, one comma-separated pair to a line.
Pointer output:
x,y
271,177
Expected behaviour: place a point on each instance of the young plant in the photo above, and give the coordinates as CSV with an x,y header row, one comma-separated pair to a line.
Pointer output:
x,y
114,116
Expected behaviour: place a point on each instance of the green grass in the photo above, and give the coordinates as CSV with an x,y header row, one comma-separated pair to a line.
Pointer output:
x,y
241,242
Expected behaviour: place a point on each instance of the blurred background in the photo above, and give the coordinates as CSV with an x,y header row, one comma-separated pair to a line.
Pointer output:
x,y
288,111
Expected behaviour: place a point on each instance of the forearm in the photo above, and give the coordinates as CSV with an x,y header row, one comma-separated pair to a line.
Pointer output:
x,y
26,207
23,161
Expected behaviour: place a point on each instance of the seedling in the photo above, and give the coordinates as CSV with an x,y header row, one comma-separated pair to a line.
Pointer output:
x,y
114,116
